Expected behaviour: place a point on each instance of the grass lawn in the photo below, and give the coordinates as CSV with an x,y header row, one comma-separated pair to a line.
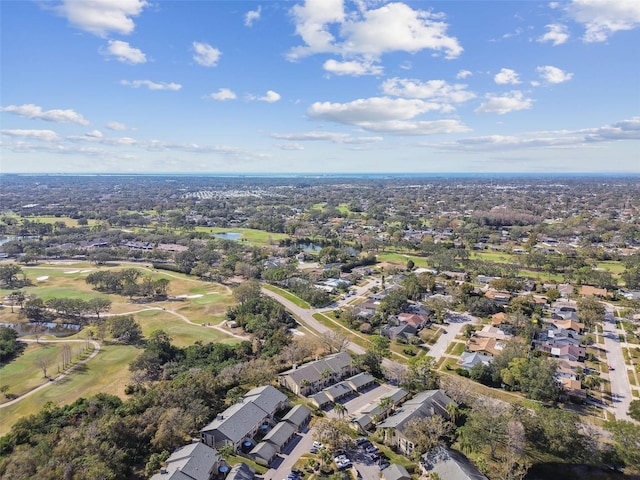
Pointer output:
x,y
23,375
289,296
615,267
249,235
68,221
497,257
108,372
400,259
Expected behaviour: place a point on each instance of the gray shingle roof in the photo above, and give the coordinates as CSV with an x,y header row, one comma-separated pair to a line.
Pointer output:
x,y
241,471
424,404
396,472
267,398
360,380
312,371
195,461
280,434
298,415
450,464
264,451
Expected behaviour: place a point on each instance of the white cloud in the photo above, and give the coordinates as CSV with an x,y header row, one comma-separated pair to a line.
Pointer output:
x,y
557,34
386,115
270,97
124,52
603,18
402,127
151,85
205,54
34,111
369,33
506,77
116,126
290,146
509,102
623,130
251,16
433,89
223,94
94,133
43,135
334,137
553,74
462,74
101,17
354,68
375,109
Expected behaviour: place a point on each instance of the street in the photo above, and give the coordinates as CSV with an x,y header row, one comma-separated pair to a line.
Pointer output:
x,y
620,388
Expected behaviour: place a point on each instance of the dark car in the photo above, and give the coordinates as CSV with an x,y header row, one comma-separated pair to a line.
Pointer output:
x,y
297,471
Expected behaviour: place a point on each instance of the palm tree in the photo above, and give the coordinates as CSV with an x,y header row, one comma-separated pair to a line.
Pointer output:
x,y
340,410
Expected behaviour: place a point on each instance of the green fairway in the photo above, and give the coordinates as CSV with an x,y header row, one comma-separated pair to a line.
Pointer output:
x,y
401,259
249,235
23,374
181,333
108,372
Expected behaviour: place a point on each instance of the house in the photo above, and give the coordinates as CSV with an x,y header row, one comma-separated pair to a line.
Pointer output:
x,y
486,346
361,381
395,472
572,325
313,376
500,318
590,291
298,416
280,435
401,332
263,453
423,405
416,320
379,410
450,465
244,419
501,298
468,360
492,332
195,461
573,389
241,471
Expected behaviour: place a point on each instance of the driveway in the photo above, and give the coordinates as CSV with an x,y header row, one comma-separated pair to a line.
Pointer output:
x,y
620,388
282,466
456,322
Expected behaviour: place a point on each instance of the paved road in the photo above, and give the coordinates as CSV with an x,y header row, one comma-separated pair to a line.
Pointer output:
x,y
620,388
306,317
96,349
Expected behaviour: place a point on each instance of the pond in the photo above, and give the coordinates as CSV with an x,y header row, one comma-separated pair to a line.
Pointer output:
x,y
6,239
49,328
309,247
228,235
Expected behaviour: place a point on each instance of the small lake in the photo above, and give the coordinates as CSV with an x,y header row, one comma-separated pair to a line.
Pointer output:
x,y
309,247
49,328
6,239
228,235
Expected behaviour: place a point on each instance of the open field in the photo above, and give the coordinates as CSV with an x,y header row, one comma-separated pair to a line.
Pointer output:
x,y
400,260
68,221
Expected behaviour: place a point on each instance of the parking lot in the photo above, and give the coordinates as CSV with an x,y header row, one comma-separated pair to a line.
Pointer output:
x,y
362,462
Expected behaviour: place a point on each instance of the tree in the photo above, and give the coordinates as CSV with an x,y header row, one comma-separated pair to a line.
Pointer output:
x,y
10,346
340,410
380,345
9,274
333,433
125,329
247,291
334,342
99,305
634,410
421,374
626,439
427,433
486,425
590,311
42,364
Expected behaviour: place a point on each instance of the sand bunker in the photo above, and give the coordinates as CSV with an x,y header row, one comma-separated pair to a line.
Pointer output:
x,y
189,296
72,271
42,279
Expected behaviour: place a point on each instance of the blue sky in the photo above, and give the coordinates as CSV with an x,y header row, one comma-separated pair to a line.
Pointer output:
x,y
319,86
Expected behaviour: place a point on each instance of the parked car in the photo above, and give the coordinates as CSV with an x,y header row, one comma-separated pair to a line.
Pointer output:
x,y
361,441
383,464
371,449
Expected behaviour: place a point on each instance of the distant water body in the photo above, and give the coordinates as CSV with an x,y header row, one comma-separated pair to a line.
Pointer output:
x,y
362,175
